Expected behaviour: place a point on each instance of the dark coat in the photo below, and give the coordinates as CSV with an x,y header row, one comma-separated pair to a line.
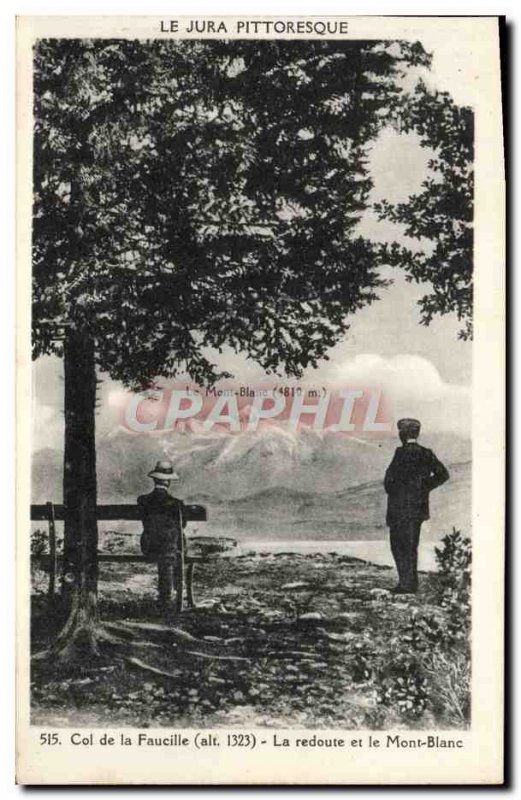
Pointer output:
x,y
162,516
412,474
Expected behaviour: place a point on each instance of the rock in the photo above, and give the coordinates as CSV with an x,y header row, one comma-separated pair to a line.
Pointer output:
x,y
311,616
346,616
296,585
272,614
337,637
83,682
380,592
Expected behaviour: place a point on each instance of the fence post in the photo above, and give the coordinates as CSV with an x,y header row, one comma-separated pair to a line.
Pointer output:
x,y
52,551
180,566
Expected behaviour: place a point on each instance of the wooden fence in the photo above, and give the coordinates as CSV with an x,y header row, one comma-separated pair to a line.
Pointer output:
x,y
52,513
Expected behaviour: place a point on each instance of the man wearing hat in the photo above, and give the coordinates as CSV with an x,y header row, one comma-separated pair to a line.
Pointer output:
x,y
163,521
412,474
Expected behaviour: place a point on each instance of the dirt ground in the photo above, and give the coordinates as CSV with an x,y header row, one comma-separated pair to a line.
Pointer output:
x,y
283,640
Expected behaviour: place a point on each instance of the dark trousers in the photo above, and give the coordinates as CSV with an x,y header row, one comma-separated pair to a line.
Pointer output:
x,y
165,579
405,536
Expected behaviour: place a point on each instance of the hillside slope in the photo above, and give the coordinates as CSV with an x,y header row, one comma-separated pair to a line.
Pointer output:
x,y
354,513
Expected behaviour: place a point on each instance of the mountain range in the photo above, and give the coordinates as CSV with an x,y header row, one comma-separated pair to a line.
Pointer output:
x,y
234,466
270,484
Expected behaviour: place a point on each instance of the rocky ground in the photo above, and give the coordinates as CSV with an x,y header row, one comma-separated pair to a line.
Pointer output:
x,y
280,639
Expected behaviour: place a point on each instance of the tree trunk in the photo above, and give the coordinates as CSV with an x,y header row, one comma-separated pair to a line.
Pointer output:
x,y
80,560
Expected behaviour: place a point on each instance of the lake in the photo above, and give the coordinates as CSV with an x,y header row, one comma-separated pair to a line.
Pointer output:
x,y
377,552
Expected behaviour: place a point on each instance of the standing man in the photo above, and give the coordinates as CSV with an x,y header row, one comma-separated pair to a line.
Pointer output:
x,y
163,520
411,475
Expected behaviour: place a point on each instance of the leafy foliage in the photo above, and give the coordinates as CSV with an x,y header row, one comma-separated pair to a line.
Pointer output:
x,y
454,593
404,688
39,546
192,194
423,667
454,561
441,215
38,543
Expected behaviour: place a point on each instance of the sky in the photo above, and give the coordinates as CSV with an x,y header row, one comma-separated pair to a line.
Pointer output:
x,y
426,372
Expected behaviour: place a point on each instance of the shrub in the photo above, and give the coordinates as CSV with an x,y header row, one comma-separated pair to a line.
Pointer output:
x,y
426,662
38,543
362,664
403,686
422,632
449,686
454,586
454,563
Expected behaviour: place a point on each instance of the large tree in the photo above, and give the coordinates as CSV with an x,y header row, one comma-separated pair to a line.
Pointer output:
x,y
188,195
440,217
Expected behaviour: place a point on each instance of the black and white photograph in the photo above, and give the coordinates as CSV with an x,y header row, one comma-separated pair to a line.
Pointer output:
x,y
252,431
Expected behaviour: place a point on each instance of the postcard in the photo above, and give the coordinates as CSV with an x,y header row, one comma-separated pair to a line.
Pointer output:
x,y
260,388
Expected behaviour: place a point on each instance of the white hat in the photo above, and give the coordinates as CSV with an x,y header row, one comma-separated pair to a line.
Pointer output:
x,y
164,471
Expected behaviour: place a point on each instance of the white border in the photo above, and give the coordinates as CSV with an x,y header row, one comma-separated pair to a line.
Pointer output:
x,y
6,318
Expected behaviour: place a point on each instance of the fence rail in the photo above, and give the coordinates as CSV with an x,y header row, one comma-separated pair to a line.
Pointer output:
x,y
52,513
125,511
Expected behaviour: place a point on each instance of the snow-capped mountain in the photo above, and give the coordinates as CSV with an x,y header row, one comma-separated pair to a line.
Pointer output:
x,y
233,466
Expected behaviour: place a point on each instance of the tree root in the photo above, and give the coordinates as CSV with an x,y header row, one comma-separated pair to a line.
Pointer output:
x,y
164,635
138,664
181,639
216,656
124,640
294,653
